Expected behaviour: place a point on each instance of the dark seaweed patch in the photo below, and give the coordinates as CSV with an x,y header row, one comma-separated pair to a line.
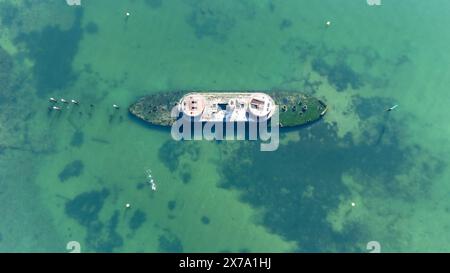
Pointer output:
x,y
193,151
208,22
205,220
72,169
85,207
53,51
8,14
296,196
271,6
369,107
91,28
186,177
171,150
104,238
344,67
137,220
215,19
286,23
77,139
169,154
170,243
171,205
339,75
154,4
402,59
6,68
140,185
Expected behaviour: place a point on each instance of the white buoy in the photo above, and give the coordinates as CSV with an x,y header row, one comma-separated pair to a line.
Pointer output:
x,y
353,204
116,106
53,100
328,23
127,14
127,205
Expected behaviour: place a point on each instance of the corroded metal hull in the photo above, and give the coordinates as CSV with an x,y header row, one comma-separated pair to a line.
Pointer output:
x,y
294,108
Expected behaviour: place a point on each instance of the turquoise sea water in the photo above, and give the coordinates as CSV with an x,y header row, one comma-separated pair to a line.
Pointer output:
x,y
67,176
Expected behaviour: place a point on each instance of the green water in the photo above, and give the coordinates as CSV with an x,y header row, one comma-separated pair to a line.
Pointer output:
x,y
67,176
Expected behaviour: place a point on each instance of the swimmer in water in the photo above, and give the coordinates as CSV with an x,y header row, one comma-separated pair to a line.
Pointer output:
x,y
392,108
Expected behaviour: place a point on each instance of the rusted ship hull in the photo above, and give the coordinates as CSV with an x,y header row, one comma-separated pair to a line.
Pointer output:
x,y
295,108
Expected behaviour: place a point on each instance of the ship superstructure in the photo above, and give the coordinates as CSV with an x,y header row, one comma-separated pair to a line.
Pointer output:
x,y
230,107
